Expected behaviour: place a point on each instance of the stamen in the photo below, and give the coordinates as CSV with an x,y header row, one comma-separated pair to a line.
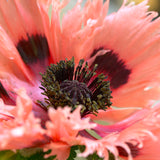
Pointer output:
x,y
64,85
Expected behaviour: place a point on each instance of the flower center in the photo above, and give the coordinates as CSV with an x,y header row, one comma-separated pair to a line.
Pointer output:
x,y
65,85
77,91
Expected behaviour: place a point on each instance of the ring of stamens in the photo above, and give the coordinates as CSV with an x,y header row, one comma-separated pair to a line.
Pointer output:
x,y
65,85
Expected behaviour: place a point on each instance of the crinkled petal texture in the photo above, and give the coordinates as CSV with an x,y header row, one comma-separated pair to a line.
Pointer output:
x,y
135,136
124,44
24,49
28,36
18,126
63,129
128,54
131,132
150,149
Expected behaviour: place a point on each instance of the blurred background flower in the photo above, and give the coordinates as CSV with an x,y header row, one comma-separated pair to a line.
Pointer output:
x,y
115,4
154,4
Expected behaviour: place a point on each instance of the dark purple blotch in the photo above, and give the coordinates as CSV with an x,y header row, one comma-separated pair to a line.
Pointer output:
x,y
112,65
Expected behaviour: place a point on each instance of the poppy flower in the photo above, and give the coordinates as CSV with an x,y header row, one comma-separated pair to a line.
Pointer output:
x,y
58,78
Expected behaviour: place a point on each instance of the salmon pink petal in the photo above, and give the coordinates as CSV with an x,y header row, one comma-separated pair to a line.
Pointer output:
x,y
15,133
31,39
63,128
15,74
23,112
10,56
26,17
71,124
145,130
102,146
114,114
8,22
8,93
53,30
128,62
67,32
102,130
44,6
130,54
26,52
150,149
131,142
56,32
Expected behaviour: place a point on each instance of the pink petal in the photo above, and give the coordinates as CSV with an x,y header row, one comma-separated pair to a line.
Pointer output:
x,y
136,140
113,115
10,56
103,130
15,133
150,149
64,127
138,49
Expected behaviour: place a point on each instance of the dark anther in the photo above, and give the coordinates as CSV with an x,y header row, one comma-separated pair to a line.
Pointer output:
x,y
65,85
